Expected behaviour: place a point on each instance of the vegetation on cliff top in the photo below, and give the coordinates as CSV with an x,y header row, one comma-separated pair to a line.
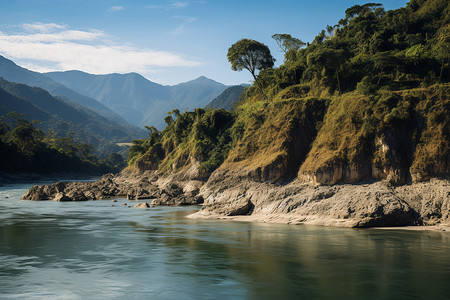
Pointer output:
x,y
367,98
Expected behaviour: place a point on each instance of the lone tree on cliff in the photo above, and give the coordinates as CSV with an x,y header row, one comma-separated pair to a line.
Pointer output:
x,y
251,55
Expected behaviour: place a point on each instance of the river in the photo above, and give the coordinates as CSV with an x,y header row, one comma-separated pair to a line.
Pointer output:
x,y
93,250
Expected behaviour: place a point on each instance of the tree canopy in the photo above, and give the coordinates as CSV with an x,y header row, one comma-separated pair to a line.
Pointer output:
x,y
251,55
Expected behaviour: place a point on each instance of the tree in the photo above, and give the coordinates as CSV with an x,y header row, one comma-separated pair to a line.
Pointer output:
x,y
286,42
251,55
443,46
26,137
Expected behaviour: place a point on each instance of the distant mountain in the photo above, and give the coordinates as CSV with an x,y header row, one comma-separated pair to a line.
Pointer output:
x,y
228,99
37,104
138,100
12,72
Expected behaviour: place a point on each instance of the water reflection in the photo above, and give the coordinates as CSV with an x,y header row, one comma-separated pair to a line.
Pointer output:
x,y
91,250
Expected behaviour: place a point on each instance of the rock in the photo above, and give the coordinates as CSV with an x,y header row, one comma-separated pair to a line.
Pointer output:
x,y
241,208
61,197
124,204
142,205
77,196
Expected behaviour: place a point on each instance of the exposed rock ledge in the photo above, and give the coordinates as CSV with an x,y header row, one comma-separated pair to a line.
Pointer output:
x,y
348,205
130,185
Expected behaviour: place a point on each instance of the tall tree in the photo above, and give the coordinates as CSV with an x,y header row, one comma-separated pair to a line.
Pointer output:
x,y
286,42
251,55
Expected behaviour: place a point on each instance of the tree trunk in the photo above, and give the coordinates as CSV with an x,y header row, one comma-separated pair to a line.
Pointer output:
x,y
338,82
259,86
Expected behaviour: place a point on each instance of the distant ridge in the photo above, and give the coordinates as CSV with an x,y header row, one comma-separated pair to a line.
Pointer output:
x,y
228,99
12,72
37,104
138,100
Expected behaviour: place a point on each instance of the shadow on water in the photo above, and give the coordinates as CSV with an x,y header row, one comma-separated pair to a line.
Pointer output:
x,y
78,250
306,262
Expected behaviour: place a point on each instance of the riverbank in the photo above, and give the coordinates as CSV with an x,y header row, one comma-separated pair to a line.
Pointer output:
x,y
289,220
372,204
375,204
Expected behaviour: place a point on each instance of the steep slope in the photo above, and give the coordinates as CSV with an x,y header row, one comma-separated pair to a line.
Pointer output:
x,y
36,103
12,72
138,100
228,99
10,103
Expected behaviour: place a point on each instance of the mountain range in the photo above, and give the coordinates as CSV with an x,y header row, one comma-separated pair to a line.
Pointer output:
x,y
12,72
61,117
138,100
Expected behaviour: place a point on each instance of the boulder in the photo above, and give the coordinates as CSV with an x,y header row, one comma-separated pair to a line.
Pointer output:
x,y
61,197
142,205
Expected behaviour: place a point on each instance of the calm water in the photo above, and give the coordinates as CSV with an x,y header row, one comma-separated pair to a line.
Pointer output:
x,y
91,250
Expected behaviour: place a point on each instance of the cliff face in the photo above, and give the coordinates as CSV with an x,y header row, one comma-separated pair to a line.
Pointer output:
x,y
400,137
275,139
302,167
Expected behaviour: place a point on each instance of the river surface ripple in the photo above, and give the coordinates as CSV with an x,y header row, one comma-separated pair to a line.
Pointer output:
x,y
93,250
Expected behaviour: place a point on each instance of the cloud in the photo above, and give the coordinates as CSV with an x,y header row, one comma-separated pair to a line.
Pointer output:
x,y
179,4
86,50
186,20
115,8
41,27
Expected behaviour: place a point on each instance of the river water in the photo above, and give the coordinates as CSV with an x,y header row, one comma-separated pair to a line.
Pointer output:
x,y
93,250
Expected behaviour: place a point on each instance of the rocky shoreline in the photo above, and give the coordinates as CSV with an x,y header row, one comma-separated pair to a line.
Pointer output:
x,y
374,204
130,186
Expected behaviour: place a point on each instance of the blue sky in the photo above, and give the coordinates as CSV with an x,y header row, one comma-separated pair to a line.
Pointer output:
x,y
166,41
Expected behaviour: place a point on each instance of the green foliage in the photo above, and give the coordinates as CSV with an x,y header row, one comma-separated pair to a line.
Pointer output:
x,y
25,148
202,136
368,50
366,97
251,55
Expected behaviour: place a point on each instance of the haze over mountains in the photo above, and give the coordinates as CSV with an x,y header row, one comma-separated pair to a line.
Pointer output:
x,y
61,117
59,108
138,100
228,99
12,72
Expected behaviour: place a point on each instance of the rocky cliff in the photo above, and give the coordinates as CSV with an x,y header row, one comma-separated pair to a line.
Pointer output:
x,y
306,161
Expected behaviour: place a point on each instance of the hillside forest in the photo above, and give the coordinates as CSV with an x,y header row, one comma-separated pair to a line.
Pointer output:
x,y
368,98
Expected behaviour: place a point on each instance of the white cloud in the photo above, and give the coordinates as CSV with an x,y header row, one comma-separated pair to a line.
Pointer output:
x,y
179,4
88,51
41,27
116,8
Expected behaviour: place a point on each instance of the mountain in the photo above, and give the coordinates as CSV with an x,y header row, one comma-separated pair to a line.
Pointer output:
x,y
37,104
228,99
12,72
138,100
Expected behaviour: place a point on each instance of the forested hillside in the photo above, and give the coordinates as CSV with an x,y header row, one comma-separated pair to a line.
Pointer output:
x,y
367,99
60,118
25,148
